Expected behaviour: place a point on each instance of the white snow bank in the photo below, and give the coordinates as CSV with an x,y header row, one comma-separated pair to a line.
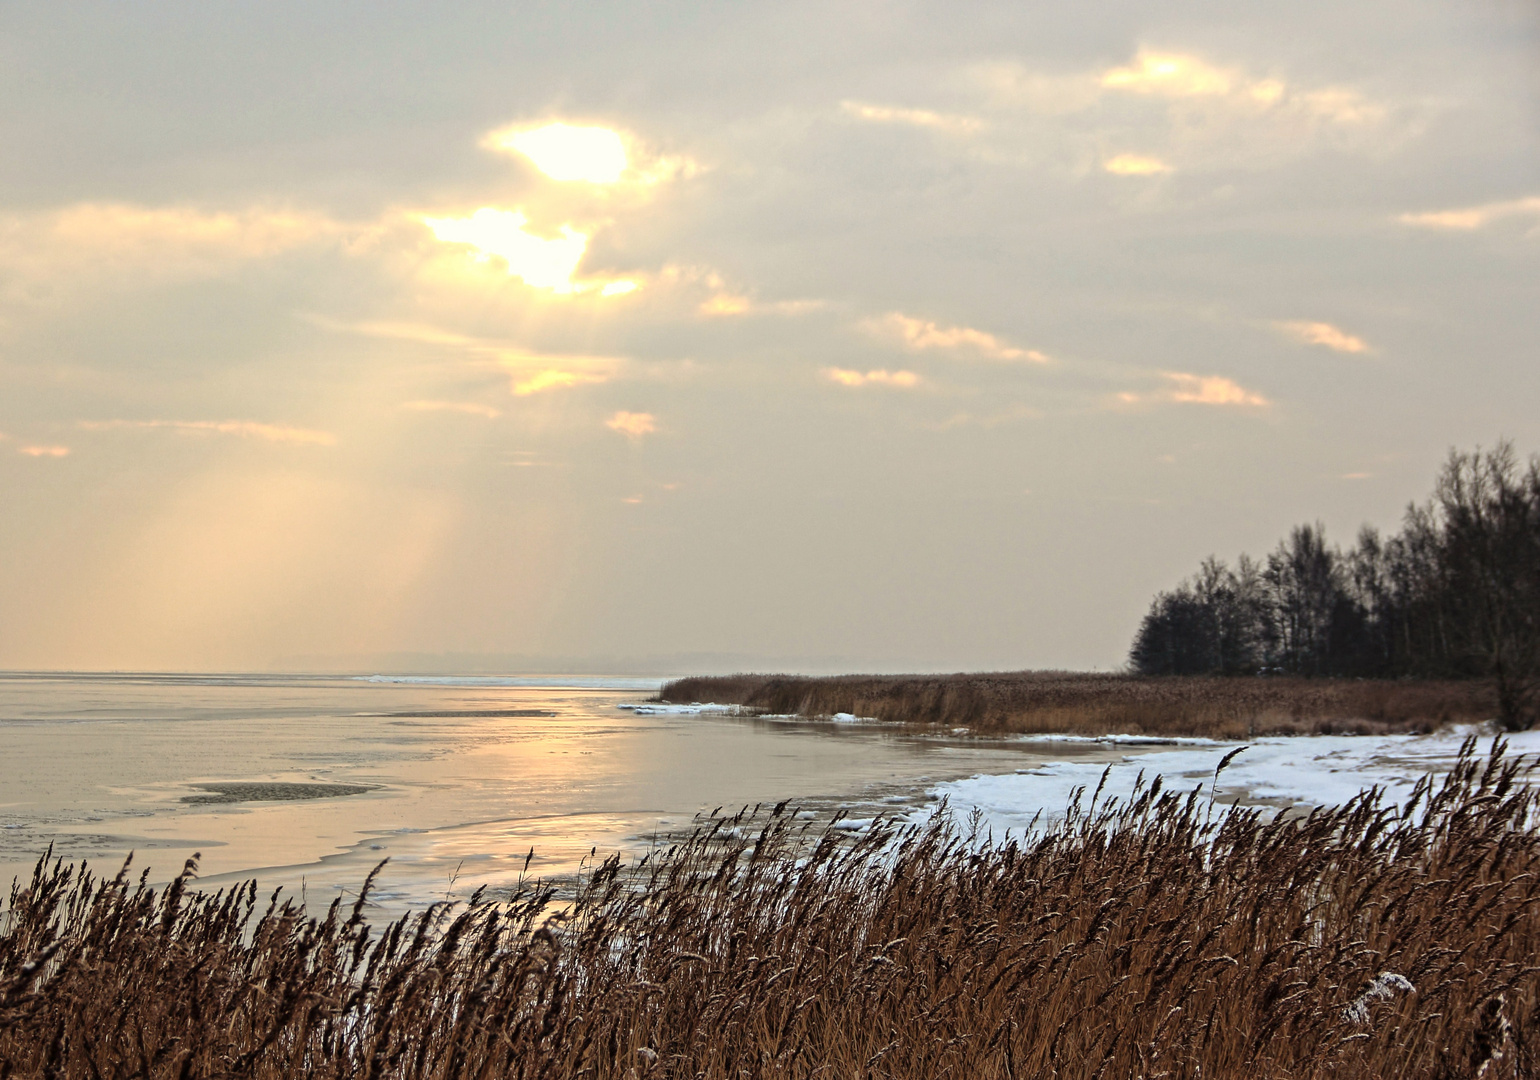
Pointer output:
x,y
1313,770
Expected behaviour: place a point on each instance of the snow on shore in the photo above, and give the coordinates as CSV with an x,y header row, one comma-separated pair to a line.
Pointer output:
x,y
1309,770
655,708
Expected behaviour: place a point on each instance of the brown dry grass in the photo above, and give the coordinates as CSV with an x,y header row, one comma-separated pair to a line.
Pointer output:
x,y
1136,939
1072,703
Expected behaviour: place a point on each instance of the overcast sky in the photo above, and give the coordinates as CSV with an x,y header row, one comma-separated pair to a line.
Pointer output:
x,y
895,335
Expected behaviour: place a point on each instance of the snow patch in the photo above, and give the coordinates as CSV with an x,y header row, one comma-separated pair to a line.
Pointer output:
x,y
1310,770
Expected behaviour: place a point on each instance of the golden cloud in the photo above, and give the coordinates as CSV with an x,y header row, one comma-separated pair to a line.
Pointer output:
x,y
44,451
632,425
282,433
726,304
1169,74
1177,76
1210,390
1324,334
590,154
1135,165
553,379
845,377
921,334
1473,217
886,114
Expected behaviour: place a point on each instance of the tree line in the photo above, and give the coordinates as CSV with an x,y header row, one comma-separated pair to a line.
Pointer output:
x,y
1454,594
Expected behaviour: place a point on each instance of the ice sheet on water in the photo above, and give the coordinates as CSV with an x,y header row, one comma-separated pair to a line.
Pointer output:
x,y
1315,770
535,682
657,708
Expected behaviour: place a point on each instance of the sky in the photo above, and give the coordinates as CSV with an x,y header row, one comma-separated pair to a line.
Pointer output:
x,y
815,336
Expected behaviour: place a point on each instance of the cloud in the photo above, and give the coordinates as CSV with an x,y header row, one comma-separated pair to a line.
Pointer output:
x,y
1473,217
251,429
44,451
1135,165
726,304
632,425
1210,390
1191,389
73,246
540,262
921,334
1173,75
1324,334
903,379
553,379
250,233
1170,75
1220,115
470,408
568,152
530,372
590,154
887,114
732,304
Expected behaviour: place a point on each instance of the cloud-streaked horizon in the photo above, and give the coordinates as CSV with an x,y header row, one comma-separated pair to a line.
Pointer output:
x,y
933,336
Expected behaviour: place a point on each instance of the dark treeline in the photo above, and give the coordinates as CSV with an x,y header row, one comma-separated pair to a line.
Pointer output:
x,y
1454,594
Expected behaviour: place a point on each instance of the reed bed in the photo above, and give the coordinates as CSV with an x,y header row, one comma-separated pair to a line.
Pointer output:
x,y
1148,938
1051,702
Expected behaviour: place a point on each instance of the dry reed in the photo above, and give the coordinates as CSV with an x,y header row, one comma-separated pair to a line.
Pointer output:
x,y
1145,938
1082,704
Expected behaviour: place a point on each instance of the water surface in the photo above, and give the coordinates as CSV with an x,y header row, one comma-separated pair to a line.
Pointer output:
x,y
307,782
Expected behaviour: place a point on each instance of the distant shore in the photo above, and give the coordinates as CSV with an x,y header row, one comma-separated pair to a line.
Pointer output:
x,y
1071,703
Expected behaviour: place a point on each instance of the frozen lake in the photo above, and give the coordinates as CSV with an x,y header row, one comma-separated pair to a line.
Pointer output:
x,y
307,782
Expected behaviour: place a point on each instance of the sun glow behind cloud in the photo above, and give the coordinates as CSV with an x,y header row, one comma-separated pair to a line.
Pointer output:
x,y
541,262
569,152
1169,74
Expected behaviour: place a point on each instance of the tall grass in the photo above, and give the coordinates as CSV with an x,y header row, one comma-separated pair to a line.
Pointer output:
x,y
1137,939
1074,703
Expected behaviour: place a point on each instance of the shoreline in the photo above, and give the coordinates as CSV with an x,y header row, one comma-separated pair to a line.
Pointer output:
x,y
1071,703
